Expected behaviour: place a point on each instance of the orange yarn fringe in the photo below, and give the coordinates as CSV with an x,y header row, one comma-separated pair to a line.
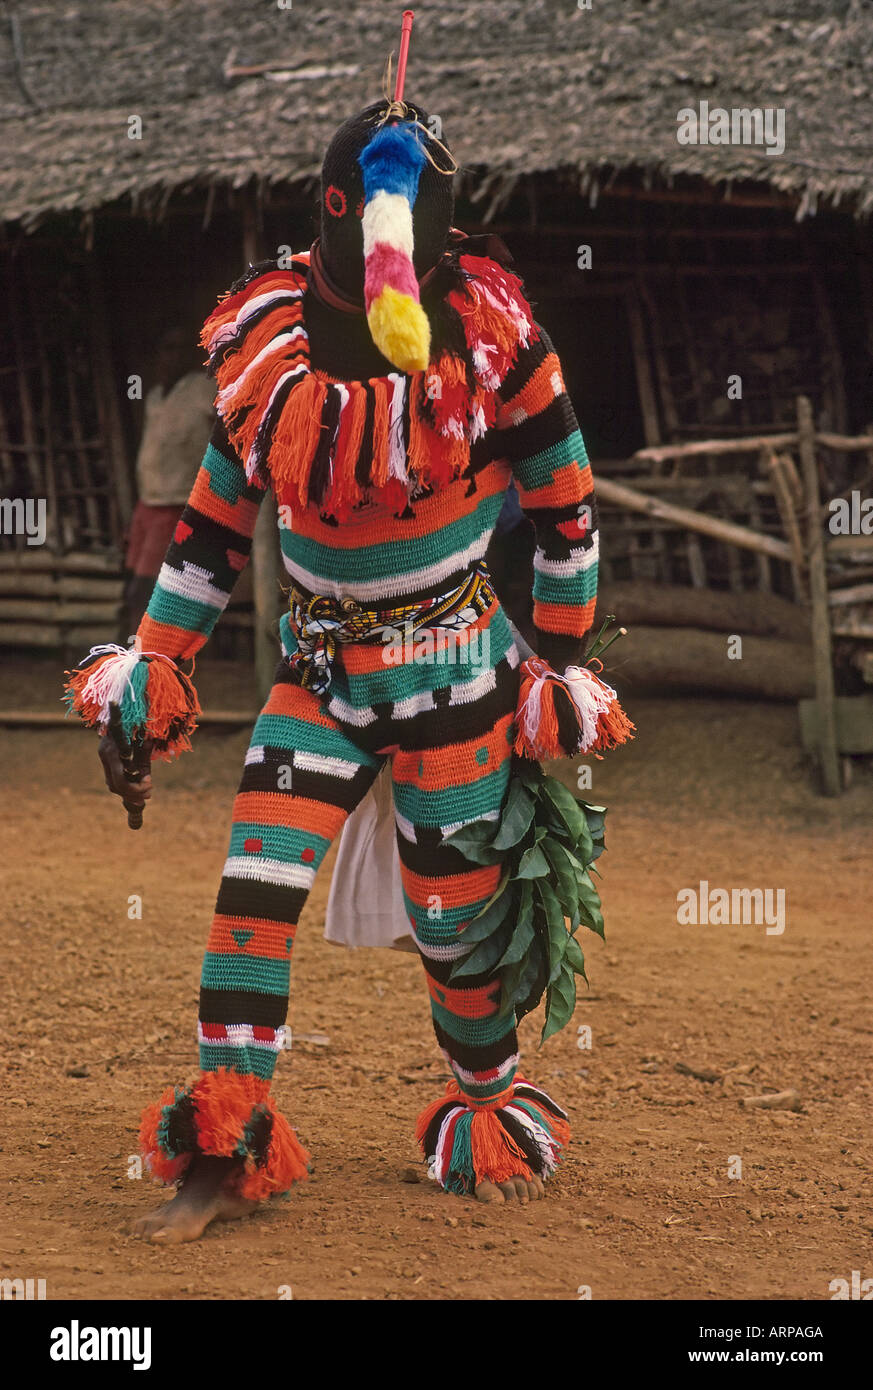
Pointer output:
x,y
611,724
225,1104
444,413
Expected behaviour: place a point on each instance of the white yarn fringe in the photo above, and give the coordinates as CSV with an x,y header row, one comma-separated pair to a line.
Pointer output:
x,y
591,697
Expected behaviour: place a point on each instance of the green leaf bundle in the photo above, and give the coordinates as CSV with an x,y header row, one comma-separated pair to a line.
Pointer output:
x,y
547,841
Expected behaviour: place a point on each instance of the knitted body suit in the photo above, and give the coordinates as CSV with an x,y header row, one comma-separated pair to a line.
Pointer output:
x,y
445,727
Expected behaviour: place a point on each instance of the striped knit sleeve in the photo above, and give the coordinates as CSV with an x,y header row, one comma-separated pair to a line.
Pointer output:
x,y
209,550
539,435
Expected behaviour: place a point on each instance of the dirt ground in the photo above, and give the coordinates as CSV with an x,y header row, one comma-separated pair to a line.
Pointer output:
x,y
99,1011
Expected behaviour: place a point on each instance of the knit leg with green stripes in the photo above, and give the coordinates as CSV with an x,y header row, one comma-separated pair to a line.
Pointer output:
x,y
443,891
491,1125
303,776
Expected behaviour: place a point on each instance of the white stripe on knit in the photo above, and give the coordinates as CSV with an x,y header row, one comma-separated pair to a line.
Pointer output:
x,y
413,705
394,585
194,583
331,767
577,562
242,1035
444,953
275,871
473,1078
255,754
467,692
347,714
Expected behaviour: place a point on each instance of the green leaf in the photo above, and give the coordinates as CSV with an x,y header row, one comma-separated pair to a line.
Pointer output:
x,y
510,980
569,809
486,955
578,866
558,935
560,1003
488,920
479,830
589,899
517,816
534,864
565,878
474,850
519,943
595,816
575,959
526,996
524,926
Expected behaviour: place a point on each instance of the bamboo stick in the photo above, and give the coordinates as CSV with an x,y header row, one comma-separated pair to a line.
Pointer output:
x,y
265,544
745,445
52,719
30,444
83,458
727,531
46,635
858,593
679,605
773,464
645,386
107,398
818,589
55,531
58,611
74,562
26,584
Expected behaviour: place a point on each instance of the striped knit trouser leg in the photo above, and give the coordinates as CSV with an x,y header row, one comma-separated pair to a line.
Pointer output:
x,y
491,1124
302,778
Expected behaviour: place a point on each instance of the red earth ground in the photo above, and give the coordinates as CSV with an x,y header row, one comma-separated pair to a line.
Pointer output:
x,y
98,1015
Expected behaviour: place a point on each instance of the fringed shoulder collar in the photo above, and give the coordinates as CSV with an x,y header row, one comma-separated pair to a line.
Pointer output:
x,y
339,444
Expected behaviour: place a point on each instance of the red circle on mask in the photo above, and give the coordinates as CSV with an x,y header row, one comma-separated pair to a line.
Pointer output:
x,y
335,201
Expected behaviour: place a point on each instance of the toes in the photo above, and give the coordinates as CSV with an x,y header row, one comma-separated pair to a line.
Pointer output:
x,y
517,1189
146,1226
487,1192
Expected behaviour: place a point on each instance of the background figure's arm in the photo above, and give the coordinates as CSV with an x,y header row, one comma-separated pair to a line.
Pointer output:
x,y
210,549
540,437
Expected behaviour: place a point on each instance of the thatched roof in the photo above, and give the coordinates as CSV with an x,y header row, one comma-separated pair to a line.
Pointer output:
x,y
522,86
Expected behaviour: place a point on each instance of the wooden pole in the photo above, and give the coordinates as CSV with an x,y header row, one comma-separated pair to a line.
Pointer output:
x,y
818,591
106,384
265,543
773,464
727,531
645,385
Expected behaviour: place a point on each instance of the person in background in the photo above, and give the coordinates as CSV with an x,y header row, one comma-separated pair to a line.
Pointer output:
x,y
179,416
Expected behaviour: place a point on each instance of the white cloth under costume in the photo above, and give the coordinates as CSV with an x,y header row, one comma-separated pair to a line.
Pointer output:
x,y
365,903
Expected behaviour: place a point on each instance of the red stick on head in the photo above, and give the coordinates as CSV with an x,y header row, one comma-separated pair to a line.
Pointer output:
x,y
405,33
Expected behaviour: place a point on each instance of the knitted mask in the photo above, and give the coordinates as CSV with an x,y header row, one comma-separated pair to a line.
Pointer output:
x,y
377,180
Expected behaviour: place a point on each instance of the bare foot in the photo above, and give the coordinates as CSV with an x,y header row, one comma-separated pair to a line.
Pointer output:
x,y
202,1197
515,1189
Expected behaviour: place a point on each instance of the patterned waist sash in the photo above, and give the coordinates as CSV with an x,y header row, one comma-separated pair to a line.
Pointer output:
x,y
320,623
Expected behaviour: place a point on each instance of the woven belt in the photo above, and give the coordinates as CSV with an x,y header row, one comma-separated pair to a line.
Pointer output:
x,y
320,623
